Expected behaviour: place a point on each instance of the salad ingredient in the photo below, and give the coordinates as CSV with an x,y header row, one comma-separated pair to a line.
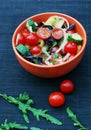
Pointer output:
x,y
31,39
43,33
56,99
70,47
36,50
34,59
52,20
67,86
56,21
31,26
71,27
12,125
75,37
51,42
23,50
74,118
41,38
24,104
57,33
20,39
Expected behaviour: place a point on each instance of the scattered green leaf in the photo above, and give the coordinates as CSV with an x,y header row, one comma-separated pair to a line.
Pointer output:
x,y
56,55
10,125
34,128
74,118
23,102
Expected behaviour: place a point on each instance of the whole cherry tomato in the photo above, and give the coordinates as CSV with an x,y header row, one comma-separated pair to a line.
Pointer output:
x,y
43,33
31,39
56,99
70,47
67,86
57,33
35,50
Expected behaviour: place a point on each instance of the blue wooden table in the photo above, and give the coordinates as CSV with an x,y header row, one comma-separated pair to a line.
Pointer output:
x,y
15,80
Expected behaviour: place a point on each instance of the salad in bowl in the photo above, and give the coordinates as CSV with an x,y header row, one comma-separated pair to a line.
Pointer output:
x,y
49,44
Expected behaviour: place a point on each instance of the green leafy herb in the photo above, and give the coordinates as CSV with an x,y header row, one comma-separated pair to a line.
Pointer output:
x,y
23,102
56,55
10,125
74,118
34,128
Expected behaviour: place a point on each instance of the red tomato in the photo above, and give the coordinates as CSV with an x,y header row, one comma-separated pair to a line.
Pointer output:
x,y
36,50
71,31
20,39
31,39
54,49
57,33
43,33
67,86
56,99
71,48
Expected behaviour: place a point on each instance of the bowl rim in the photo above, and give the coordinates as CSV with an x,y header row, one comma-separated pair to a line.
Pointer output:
x,y
57,65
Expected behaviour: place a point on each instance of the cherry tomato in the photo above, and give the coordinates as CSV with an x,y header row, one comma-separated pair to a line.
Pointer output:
x,y
71,31
43,33
36,50
20,39
54,49
57,33
71,48
31,39
67,86
56,99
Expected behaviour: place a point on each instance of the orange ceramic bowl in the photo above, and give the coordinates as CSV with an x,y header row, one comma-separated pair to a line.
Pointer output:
x,y
53,70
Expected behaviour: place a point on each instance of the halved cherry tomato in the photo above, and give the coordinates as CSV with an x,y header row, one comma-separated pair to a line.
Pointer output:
x,y
56,99
57,33
43,33
71,31
71,47
36,50
31,39
67,86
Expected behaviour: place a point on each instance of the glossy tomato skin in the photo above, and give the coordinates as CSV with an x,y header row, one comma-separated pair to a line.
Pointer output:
x,y
36,50
71,47
67,86
56,99
43,33
31,39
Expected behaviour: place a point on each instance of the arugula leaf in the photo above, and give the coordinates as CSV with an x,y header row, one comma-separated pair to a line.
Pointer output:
x,y
74,118
11,125
23,102
34,128
56,55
